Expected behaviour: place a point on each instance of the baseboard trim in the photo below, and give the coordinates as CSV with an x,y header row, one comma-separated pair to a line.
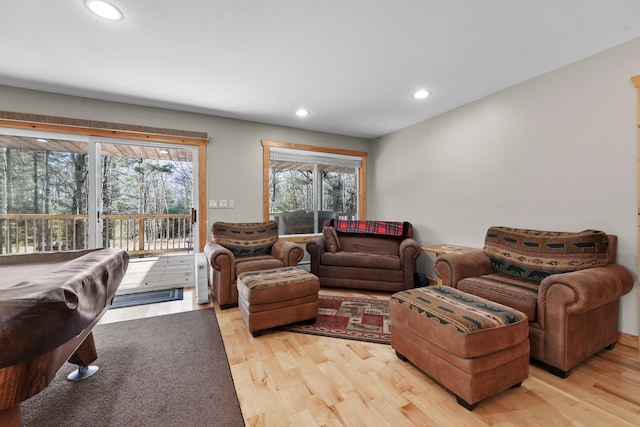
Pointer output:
x,y
628,340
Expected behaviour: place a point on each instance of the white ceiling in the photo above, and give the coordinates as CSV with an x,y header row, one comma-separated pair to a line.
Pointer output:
x,y
354,64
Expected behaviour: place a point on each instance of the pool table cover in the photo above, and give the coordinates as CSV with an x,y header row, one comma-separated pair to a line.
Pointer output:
x,y
48,298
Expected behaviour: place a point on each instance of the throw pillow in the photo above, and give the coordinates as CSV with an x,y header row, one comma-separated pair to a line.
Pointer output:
x,y
246,238
534,254
331,239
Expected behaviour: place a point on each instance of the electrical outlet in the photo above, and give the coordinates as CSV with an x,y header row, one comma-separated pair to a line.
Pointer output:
x,y
213,204
232,204
222,204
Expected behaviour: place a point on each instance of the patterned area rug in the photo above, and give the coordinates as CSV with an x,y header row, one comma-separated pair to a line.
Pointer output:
x,y
360,319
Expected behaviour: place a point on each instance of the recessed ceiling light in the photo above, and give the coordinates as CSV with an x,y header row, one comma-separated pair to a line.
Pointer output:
x,y
104,9
41,140
421,94
302,113
163,151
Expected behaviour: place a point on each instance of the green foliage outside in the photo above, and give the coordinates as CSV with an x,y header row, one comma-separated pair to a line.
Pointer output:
x,y
292,190
51,182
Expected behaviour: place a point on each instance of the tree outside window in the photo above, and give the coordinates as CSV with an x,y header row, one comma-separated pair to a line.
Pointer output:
x,y
307,186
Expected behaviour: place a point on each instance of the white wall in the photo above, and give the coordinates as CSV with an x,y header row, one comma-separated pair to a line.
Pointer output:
x,y
558,152
234,154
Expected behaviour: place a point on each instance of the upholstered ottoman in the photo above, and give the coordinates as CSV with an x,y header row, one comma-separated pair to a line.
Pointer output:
x,y
472,346
271,298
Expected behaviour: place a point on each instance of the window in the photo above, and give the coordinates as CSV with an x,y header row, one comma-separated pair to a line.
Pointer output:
x,y
304,186
44,194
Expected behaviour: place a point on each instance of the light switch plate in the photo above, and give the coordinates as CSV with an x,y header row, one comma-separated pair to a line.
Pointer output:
x,y
213,204
222,204
232,204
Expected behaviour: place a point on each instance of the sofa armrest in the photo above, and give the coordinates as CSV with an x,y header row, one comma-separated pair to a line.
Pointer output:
x,y
316,248
222,263
580,291
289,253
219,257
451,268
410,247
409,251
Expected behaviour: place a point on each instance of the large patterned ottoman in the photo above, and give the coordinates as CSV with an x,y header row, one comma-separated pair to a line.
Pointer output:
x,y
271,298
472,346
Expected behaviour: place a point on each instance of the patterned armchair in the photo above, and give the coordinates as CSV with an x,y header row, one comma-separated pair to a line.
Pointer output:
x,y
568,285
240,247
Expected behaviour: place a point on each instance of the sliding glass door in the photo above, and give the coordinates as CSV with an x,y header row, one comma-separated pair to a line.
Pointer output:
x,y
146,207
147,198
44,193
66,192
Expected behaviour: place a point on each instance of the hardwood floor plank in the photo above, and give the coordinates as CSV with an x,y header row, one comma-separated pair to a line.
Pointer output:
x,y
415,416
353,412
321,413
303,418
325,387
388,411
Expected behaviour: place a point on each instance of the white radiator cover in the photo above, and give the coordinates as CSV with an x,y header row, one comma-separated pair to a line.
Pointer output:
x,y
202,278
162,272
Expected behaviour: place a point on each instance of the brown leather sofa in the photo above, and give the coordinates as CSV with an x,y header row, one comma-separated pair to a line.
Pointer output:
x,y
568,285
366,259
240,247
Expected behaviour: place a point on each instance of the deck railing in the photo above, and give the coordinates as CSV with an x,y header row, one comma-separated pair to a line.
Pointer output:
x,y
146,234
137,234
40,233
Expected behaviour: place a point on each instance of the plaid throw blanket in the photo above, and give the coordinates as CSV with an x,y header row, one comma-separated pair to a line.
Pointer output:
x,y
384,228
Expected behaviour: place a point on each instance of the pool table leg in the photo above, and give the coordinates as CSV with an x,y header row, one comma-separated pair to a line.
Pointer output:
x,y
83,356
11,417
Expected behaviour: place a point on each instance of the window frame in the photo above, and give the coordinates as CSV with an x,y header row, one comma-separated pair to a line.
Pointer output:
x,y
266,162
116,131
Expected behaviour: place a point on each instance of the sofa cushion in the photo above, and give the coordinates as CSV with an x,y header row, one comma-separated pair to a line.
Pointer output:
x,y
533,255
257,263
279,284
246,239
508,290
361,259
331,241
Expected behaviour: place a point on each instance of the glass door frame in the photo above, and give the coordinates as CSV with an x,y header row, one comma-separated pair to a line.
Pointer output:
x,y
90,135
95,183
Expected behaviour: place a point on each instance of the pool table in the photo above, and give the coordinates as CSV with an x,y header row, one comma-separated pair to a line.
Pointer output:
x,y
49,304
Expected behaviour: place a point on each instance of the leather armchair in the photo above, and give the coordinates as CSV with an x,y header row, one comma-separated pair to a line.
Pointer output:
x,y
236,248
568,284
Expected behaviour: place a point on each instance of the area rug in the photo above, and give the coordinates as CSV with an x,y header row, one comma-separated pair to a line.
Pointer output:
x,y
360,319
152,297
169,370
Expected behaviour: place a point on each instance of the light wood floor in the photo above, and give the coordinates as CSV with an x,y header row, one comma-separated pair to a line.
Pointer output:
x,y
288,379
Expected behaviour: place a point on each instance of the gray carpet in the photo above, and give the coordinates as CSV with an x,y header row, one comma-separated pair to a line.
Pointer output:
x,y
163,371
